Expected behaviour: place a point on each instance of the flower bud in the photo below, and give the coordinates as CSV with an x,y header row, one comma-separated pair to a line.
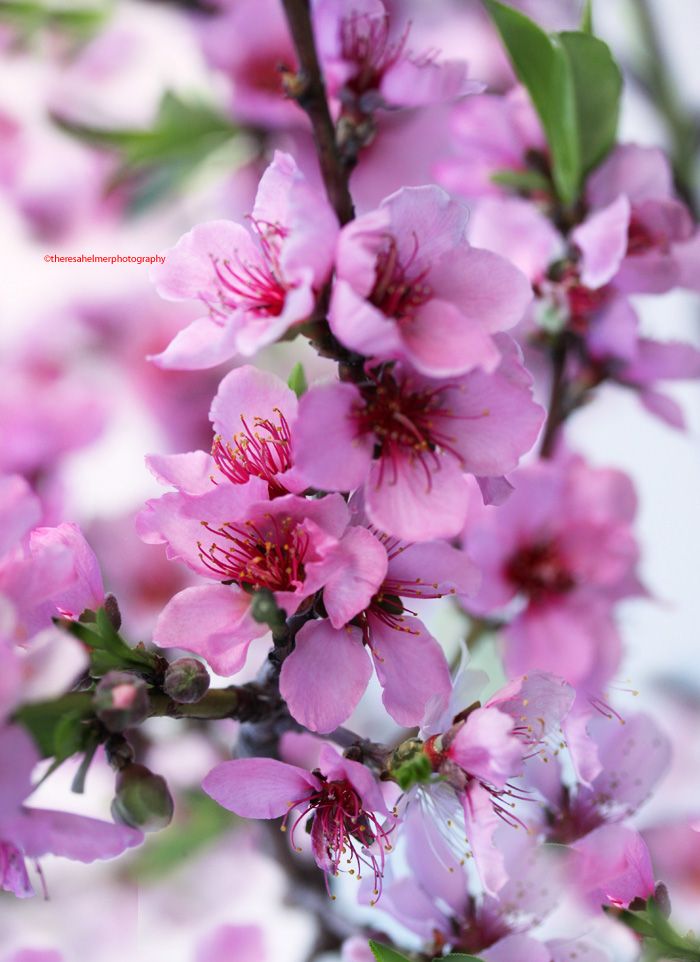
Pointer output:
x,y
143,799
186,680
120,701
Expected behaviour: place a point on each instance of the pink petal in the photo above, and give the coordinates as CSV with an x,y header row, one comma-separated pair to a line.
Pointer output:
x,y
411,668
76,837
251,393
20,510
410,83
518,231
310,676
486,747
203,344
440,340
213,621
361,326
327,449
481,822
259,787
437,565
489,290
602,240
190,473
188,273
86,589
358,578
417,501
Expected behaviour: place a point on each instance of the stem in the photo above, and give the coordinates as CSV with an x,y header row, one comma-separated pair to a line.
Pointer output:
x,y
682,127
312,99
556,413
217,703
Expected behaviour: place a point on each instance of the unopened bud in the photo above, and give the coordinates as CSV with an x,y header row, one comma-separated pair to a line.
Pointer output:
x,y
186,680
143,799
120,701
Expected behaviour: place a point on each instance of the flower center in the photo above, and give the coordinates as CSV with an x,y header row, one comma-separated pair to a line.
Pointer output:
x,y
395,293
640,238
270,557
407,422
342,824
260,452
365,43
256,288
538,571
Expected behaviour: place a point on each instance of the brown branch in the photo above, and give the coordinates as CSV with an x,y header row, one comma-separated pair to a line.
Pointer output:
x,y
310,94
556,413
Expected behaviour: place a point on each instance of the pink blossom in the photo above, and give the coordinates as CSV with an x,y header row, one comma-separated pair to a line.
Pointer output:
x,y
479,751
367,66
86,589
563,549
249,41
409,286
341,796
613,867
409,440
410,664
31,833
654,228
492,135
290,546
253,293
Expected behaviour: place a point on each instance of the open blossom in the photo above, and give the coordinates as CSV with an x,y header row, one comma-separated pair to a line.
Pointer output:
x,y
378,622
249,41
478,752
409,286
631,757
340,797
647,233
409,440
367,65
30,833
562,549
492,135
291,546
253,292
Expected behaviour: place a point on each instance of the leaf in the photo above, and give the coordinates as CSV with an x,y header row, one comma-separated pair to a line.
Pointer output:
x,y
43,719
587,17
297,379
458,957
542,65
383,953
598,88
523,181
27,18
182,131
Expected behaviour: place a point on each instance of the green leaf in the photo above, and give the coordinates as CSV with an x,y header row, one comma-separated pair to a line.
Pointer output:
x,y
522,181
297,379
542,65
43,719
183,131
687,948
458,957
383,953
587,17
27,18
598,87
